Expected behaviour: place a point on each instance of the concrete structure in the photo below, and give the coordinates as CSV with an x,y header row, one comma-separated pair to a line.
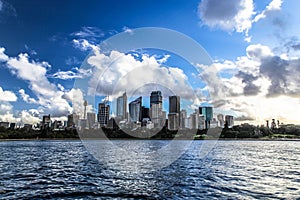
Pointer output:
x,y
135,110
229,121
156,108
207,111
173,121
122,107
103,114
174,107
91,119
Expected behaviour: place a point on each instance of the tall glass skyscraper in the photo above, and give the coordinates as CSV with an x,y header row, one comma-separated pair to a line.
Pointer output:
x,y
156,108
122,106
135,110
174,108
207,111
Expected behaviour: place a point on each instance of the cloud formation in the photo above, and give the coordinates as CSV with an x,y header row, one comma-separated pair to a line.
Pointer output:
x,y
234,15
7,96
259,83
50,98
117,72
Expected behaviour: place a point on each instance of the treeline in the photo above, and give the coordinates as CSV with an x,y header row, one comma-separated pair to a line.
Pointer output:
x,y
251,131
240,131
25,133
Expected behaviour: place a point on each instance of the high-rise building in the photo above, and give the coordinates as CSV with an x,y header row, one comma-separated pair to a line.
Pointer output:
x,y
173,121
72,120
207,111
229,120
145,112
156,108
174,107
122,106
46,123
183,116
220,120
103,114
91,119
135,110
174,104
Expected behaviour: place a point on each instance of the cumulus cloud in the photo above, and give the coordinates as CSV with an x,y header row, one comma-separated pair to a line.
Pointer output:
x,y
84,45
50,97
259,83
234,15
26,97
116,72
7,95
274,5
3,56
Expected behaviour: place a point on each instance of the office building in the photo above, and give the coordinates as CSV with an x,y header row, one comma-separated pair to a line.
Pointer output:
x,y
174,107
229,121
135,110
173,121
91,119
103,114
207,111
156,108
122,107
220,118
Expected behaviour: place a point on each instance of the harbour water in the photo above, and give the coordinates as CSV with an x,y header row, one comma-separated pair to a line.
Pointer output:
x,y
231,170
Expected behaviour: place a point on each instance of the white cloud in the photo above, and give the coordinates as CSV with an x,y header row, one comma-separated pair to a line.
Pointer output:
x,y
89,32
275,5
7,95
1,5
116,72
26,97
3,56
127,30
234,15
84,45
77,73
263,85
49,98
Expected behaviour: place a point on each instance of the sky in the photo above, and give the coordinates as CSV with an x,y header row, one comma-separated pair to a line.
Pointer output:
x,y
253,45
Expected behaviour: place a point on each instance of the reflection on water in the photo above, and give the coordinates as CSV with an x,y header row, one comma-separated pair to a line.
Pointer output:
x,y
233,169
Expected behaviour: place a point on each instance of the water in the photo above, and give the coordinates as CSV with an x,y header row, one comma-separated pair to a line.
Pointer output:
x,y
232,170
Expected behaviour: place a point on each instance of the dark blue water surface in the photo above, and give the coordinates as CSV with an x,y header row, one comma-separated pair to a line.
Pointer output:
x,y
231,170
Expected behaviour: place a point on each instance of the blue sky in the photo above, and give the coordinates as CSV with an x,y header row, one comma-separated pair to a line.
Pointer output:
x,y
254,46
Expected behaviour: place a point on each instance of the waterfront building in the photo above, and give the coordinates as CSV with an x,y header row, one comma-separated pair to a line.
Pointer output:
x,y
229,120
173,121
207,111
135,110
103,114
156,108
91,119
174,107
122,106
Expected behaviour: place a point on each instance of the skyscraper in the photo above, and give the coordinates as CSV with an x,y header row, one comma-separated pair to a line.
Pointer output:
x,y
91,119
122,106
174,107
156,108
229,120
207,111
103,114
135,110
174,104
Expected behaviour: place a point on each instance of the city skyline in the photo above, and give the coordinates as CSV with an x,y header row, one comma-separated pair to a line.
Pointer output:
x,y
254,47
